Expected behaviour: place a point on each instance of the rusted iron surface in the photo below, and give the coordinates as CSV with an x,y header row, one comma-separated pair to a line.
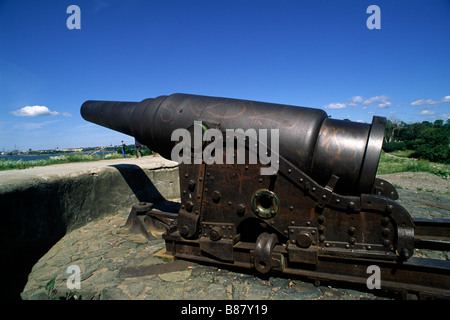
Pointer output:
x,y
322,214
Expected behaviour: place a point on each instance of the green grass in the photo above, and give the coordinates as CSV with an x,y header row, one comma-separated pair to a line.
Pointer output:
x,y
402,164
402,153
70,158
387,164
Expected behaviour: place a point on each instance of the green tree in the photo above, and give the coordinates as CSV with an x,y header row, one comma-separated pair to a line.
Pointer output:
x,y
447,127
438,124
433,145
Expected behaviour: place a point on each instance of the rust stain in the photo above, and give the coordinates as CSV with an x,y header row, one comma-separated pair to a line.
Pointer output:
x,y
167,112
237,175
331,144
194,108
237,114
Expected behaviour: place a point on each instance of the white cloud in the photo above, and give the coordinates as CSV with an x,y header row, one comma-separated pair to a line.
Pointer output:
x,y
357,99
383,102
421,102
335,105
427,113
430,101
36,111
446,116
383,105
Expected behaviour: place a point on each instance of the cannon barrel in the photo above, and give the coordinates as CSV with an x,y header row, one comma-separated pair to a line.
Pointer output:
x,y
308,138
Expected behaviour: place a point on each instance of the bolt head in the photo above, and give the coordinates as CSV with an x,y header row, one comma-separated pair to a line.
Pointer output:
x,y
216,195
351,230
184,231
304,240
385,221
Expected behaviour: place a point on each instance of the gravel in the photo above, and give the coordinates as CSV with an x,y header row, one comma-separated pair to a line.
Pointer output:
x,y
418,181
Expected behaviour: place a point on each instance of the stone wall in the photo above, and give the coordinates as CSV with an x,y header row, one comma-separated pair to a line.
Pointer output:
x,y
39,207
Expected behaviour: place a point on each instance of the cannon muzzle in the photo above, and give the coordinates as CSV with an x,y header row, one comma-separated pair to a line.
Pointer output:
x,y
308,138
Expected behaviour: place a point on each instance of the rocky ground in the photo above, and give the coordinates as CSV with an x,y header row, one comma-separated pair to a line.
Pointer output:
x,y
103,252
419,181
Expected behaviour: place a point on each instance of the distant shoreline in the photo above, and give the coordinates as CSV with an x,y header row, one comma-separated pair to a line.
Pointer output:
x,y
36,157
29,157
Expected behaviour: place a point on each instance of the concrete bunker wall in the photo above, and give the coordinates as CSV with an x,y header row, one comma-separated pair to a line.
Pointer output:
x,y
38,211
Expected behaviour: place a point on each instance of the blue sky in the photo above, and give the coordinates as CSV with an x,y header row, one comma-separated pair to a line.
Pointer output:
x,y
316,54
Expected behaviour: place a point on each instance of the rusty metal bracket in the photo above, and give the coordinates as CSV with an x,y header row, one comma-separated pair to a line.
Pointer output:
x,y
262,258
216,230
325,196
383,188
191,199
218,239
302,245
399,216
316,191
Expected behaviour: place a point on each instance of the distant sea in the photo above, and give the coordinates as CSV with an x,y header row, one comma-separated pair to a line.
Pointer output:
x,y
25,157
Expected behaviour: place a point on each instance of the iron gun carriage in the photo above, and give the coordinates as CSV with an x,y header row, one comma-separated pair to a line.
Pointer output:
x,y
319,200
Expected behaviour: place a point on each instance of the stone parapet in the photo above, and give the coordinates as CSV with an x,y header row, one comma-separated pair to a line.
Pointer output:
x,y
40,205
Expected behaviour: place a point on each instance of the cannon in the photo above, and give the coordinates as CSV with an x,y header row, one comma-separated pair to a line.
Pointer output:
x,y
319,199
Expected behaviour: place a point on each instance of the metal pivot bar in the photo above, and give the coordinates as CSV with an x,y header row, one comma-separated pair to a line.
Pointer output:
x,y
135,223
143,220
